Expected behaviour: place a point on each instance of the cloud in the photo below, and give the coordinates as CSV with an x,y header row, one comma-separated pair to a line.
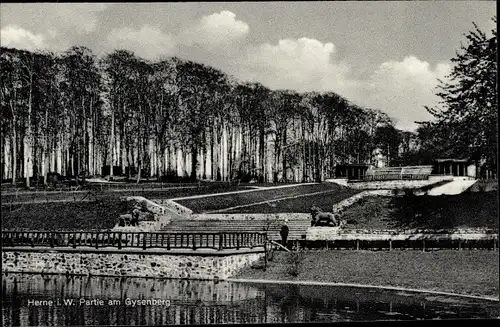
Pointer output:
x,y
82,18
18,37
303,64
210,32
399,88
148,42
61,25
215,30
402,89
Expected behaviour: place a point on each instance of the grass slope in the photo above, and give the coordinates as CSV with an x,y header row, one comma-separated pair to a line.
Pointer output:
x,y
469,209
100,214
464,272
302,204
173,192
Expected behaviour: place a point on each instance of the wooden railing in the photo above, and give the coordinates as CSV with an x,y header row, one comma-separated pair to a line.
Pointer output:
x,y
101,239
396,176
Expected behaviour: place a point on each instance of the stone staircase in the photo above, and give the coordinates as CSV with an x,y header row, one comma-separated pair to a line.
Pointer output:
x,y
297,227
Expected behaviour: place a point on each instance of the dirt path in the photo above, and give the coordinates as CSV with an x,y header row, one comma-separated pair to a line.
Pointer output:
x,y
239,192
456,186
270,201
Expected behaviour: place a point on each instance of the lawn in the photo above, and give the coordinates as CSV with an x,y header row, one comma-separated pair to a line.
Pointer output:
x,y
100,214
469,209
227,201
484,186
300,205
172,191
464,272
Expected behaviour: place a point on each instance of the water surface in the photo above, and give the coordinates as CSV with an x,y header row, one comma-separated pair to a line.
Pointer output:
x,y
110,301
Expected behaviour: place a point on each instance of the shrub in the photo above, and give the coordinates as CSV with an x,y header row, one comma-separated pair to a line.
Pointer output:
x,y
294,261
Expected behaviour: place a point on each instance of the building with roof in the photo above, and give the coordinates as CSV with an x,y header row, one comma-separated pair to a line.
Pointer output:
x,y
455,167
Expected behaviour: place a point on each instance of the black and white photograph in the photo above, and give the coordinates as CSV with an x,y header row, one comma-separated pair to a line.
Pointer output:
x,y
273,162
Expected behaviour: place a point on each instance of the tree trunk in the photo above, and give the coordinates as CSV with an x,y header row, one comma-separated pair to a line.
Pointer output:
x,y
283,159
262,151
212,156
127,148
139,166
27,137
204,176
194,163
14,152
111,145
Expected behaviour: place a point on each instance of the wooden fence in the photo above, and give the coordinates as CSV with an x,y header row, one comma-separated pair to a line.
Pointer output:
x,y
216,241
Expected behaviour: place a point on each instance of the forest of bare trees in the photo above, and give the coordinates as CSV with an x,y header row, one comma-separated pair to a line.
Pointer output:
x,y
77,115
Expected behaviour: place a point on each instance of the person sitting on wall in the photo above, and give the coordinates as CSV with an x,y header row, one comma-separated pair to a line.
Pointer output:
x,y
284,233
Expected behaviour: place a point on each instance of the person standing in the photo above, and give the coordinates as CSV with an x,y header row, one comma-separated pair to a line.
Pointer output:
x,y
284,232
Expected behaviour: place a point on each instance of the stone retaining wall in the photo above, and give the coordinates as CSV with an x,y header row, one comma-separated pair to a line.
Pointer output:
x,y
149,226
126,264
175,207
336,234
385,185
252,216
337,207
162,216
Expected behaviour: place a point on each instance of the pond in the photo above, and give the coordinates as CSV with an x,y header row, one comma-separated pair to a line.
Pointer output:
x,y
35,300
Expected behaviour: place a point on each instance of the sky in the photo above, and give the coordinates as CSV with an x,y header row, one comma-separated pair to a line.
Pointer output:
x,y
377,54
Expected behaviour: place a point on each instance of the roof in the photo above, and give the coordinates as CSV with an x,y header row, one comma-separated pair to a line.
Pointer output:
x,y
453,160
354,165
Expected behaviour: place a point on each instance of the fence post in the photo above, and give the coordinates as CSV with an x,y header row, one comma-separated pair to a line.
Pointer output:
x,y
97,240
52,240
144,241
238,241
168,241
194,241
119,240
220,241
265,255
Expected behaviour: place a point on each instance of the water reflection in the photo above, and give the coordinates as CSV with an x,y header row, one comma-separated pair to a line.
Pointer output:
x,y
205,302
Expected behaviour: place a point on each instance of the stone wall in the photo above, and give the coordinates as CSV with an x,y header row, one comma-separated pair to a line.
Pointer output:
x,y
322,233
344,204
385,185
337,234
158,209
175,207
127,264
398,184
252,216
162,216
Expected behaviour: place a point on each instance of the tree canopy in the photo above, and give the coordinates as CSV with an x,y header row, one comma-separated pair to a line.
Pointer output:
x,y
79,115
465,123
